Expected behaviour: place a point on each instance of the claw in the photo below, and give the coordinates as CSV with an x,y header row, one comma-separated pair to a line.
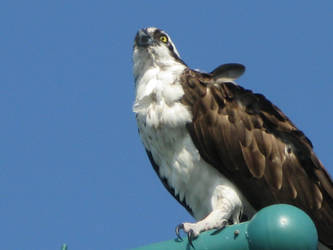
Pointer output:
x,y
190,234
190,237
179,227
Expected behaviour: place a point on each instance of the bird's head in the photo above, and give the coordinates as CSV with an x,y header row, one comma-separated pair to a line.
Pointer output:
x,y
154,47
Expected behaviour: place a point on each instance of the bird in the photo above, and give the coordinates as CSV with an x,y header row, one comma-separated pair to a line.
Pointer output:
x,y
221,150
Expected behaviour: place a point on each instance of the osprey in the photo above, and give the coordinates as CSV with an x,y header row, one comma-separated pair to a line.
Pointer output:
x,y
221,150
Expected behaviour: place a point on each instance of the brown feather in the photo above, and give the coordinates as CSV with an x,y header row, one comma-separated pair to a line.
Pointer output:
x,y
250,141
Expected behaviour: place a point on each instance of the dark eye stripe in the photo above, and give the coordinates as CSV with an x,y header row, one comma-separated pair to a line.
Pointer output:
x,y
171,47
157,34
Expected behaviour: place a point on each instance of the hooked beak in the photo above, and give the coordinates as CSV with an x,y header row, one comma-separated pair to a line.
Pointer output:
x,y
143,39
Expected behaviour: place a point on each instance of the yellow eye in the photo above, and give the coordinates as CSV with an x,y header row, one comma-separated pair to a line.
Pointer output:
x,y
164,39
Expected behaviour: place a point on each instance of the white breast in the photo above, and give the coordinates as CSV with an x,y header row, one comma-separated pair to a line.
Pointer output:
x,y
161,120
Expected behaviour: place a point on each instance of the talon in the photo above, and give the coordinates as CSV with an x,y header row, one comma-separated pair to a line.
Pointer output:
x,y
190,237
179,227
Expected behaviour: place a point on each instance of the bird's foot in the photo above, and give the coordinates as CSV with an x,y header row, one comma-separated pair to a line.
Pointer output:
x,y
217,220
194,229
191,229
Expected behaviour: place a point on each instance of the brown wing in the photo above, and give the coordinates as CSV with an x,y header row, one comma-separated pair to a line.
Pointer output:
x,y
250,141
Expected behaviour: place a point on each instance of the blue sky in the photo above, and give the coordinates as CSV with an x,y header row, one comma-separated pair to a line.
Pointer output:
x,y
72,167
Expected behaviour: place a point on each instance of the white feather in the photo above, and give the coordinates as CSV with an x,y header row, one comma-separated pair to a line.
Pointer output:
x,y
161,120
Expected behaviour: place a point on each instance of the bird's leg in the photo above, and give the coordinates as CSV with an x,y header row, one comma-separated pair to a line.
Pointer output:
x,y
226,208
217,219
